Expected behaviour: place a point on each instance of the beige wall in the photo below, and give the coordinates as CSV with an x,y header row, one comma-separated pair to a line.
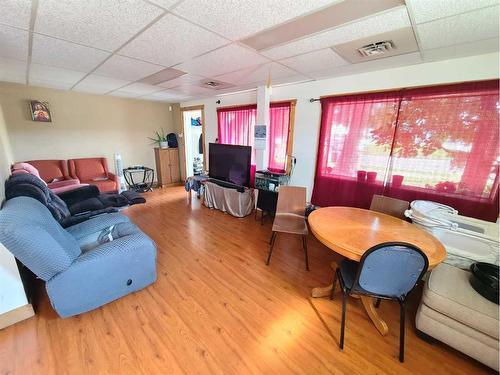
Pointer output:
x,y
6,156
83,125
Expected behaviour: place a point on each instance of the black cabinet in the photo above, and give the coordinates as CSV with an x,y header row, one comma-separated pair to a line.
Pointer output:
x,y
266,202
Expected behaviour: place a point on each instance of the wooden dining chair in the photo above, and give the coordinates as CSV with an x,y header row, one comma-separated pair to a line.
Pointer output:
x,y
290,217
390,206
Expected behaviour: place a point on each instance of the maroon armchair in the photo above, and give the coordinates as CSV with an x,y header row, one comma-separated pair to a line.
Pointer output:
x,y
93,171
53,172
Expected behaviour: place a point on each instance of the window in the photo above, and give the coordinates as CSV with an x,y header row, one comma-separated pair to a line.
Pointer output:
x,y
280,131
237,124
436,143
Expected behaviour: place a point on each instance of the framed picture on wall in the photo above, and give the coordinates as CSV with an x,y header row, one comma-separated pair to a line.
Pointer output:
x,y
40,111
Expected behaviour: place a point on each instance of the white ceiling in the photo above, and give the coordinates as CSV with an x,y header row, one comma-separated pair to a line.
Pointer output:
x,y
108,46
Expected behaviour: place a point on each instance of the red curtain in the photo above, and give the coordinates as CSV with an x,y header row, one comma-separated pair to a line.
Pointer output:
x,y
279,126
236,127
442,146
351,165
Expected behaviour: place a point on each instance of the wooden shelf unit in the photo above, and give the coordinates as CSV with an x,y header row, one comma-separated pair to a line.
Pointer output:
x,y
167,166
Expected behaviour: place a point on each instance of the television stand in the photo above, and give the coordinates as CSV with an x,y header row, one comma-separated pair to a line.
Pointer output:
x,y
234,199
229,185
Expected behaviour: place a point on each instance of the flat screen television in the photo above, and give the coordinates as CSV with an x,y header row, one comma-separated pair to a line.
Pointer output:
x,y
230,163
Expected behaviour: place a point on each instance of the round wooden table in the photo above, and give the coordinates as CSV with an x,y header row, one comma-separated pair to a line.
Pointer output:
x,y
351,231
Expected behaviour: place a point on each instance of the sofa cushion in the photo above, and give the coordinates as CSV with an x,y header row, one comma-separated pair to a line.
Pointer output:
x,y
103,185
88,169
449,292
50,169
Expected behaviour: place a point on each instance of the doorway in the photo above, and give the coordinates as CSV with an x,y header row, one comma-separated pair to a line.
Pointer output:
x,y
194,139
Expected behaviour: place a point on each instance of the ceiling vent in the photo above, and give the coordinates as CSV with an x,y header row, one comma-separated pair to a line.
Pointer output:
x,y
378,48
214,84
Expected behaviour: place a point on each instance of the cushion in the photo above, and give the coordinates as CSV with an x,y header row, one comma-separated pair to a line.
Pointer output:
x,y
25,167
50,169
449,292
28,230
89,169
103,185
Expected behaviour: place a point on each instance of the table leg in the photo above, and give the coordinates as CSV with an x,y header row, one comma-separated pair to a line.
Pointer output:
x,y
368,304
380,324
324,291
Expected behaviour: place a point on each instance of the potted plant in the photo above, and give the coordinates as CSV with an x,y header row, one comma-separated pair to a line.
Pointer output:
x,y
160,139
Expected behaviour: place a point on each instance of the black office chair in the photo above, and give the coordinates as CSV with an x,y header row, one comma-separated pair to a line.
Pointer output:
x,y
386,271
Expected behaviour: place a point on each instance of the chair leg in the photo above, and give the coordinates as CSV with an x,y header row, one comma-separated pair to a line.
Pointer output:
x,y
273,240
342,325
334,283
402,332
304,244
377,303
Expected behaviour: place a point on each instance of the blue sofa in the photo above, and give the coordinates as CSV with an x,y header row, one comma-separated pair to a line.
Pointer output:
x,y
81,271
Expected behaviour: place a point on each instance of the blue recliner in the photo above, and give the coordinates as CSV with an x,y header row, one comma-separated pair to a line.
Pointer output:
x,y
78,280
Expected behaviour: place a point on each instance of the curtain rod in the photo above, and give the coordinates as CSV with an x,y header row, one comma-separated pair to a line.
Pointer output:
x,y
312,100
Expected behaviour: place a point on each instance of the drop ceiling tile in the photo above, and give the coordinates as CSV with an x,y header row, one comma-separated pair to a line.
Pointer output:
x,y
105,24
237,19
258,74
48,76
383,22
16,13
461,50
167,96
97,84
464,28
224,60
62,54
165,4
12,70
140,89
13,43
193,89
127,69
172,40
368,66
314,61
124,94
427,10
186,78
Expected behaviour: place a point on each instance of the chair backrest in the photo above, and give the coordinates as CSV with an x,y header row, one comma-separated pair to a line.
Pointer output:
x,y
28,230
390,206
51,169
28,185
291,200
391,269
87,169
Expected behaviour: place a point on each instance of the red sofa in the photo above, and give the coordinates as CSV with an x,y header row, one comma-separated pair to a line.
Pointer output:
x,y
53,172
94,171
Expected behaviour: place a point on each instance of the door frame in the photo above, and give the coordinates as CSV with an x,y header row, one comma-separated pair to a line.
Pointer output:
x,y
200,107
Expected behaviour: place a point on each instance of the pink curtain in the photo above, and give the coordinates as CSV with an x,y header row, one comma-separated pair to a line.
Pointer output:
x,y
351,165
438,143
236,127
279,126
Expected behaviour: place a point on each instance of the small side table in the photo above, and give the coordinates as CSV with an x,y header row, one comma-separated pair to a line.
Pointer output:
x,y
143,181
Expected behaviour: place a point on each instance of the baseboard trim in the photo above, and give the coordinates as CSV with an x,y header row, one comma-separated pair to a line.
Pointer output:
x,y
16,315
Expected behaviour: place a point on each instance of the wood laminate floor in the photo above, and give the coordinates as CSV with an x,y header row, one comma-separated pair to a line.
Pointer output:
x,y
216,308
